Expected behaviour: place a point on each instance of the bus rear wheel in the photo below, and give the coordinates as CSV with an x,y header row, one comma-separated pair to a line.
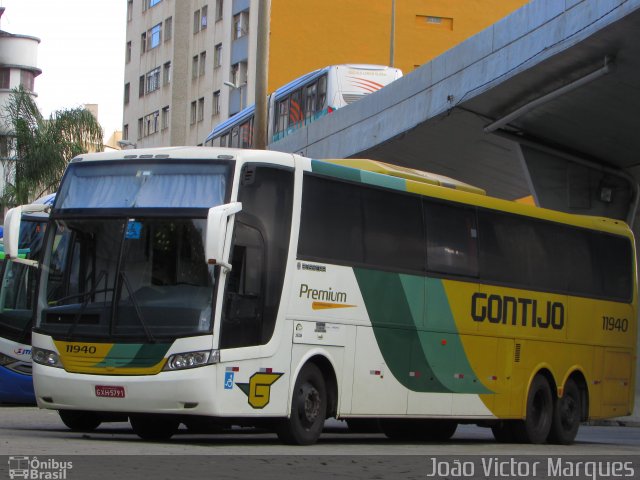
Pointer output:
x,y
536,426
567,412
308,409
79,420
157,428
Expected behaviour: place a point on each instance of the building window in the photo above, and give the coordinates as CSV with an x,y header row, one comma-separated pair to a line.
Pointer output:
x,y
239,73
203,61
127,54
126,93
141,86
201,109
154,36
153,80
240,25
143,43
125,132
146,4
5,78
140,129
168,29
219,5
216,103
217,56
196,21
129,10
203,17
166,73
194,67
193,112
151,123
165,117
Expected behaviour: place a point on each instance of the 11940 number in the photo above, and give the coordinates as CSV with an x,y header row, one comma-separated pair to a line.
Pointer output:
x,y
617,324
86,349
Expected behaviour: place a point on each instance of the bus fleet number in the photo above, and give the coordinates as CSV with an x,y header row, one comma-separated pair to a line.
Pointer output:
x,y
86,349
617,324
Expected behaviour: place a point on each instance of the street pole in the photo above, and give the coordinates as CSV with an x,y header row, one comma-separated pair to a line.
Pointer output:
x,y
262,75
393,33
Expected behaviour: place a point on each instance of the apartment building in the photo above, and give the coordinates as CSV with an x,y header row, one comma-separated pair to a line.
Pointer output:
x,y
18,60
190,64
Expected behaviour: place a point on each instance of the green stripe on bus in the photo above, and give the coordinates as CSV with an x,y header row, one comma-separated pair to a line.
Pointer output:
x,y
338,171
421,360
386,181
134,355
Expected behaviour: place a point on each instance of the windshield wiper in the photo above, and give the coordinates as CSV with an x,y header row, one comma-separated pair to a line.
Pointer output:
x,y
136,307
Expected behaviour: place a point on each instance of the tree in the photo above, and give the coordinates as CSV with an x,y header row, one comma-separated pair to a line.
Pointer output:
x,y
42,148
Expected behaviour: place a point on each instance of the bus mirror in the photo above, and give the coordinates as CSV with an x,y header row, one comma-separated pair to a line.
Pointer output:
x,y
11,234
217,220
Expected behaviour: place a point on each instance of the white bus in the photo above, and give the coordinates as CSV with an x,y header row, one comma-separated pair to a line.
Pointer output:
x,y
181,284
304,100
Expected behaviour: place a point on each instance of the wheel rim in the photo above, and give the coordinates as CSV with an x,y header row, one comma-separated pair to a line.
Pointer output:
x,y
310,403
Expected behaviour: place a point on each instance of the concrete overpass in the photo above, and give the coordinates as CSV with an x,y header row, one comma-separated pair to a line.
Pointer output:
x,y
545,102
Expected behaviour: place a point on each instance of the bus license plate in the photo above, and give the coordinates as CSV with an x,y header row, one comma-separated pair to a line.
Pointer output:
x,y
109,391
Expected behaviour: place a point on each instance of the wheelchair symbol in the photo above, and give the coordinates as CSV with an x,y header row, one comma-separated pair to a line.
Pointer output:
x,y
228,380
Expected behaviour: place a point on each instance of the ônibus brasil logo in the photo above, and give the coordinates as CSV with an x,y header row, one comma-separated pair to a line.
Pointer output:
x,y
37,469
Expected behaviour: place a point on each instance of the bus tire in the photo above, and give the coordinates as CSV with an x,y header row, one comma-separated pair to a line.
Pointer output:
x,y
567,413
536,426
157,428
79,420
308,409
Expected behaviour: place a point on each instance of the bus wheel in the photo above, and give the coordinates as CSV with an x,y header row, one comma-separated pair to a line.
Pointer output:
x,y
537,424
308,409
566,415
503,432
154,427
80,421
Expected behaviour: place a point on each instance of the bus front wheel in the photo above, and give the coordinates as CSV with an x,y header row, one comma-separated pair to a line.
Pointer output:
x,y
80,421
566,415
308,409
536,426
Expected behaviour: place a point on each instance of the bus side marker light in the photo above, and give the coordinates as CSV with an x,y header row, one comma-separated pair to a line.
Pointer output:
x,y
414,374
443,342
459,376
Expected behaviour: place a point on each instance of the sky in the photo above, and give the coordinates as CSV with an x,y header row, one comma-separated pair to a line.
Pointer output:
x,y
81,53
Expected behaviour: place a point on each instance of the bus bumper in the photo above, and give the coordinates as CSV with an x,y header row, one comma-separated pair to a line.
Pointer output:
x,y
16,387
185,392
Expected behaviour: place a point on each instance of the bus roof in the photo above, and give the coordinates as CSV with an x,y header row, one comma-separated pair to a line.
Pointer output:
x,y
406,173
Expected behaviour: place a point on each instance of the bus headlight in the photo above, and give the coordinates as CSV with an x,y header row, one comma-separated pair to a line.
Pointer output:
x,y
180,361
45,357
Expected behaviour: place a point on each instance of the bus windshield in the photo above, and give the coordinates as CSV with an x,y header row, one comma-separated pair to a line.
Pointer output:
x,y
125,256
125,278
140,184
17,293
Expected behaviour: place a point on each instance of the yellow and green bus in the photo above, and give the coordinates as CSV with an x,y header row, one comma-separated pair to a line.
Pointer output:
x,y
246,287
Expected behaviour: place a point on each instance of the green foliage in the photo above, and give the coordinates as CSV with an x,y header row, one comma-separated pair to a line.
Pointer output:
x,y
44,147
